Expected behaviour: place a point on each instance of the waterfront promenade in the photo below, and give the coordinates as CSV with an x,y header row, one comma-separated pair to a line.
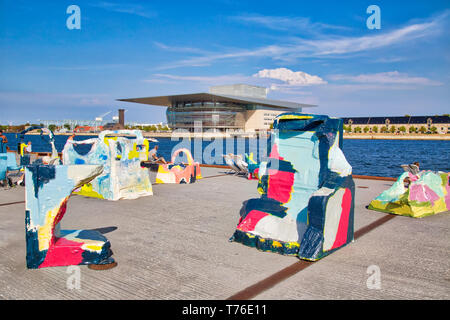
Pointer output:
x,y
210,135
383,136
174,245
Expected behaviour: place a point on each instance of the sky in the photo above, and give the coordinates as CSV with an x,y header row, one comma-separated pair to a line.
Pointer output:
x,y
313,52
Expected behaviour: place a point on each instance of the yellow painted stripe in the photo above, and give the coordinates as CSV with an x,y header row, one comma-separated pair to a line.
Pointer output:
x,y
292,116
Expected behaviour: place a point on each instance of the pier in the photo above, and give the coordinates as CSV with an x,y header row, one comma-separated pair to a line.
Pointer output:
x,y
174,245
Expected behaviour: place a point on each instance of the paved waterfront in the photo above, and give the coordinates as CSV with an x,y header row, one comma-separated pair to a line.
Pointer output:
x,y
174,245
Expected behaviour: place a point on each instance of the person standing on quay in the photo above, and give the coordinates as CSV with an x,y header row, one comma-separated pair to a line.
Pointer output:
x,y
3,142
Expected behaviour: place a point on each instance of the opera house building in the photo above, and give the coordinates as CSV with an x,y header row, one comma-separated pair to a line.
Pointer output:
x,y
238,107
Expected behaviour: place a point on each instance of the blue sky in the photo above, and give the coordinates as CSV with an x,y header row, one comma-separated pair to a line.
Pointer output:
x,y
317,52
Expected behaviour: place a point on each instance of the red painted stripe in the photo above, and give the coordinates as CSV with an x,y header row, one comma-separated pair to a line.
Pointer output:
x,y
280,185
250,221
341,236
63,253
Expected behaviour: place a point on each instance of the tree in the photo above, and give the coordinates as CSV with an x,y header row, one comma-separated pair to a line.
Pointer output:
x,y
366,129
375,129
422,129
67,126
412,129
384,129
52,127
392,130
433,130
402,129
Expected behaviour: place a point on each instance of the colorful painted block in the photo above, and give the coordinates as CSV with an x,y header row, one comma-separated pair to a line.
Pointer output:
x,y
120,153
425,194
48,188
307,191
179,172
3,165
25,158
253,167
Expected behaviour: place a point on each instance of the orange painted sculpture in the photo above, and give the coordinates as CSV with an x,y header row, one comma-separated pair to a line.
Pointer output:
x,y
179,172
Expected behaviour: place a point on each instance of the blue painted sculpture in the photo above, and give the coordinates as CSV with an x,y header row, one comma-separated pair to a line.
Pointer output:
x,y
48,188
307,191
120,153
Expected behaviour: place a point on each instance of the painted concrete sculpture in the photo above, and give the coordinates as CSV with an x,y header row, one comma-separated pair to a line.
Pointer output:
x,y
3,165
48,188
179,172
120,156
253,167
8,165
25,158
425,193
307,191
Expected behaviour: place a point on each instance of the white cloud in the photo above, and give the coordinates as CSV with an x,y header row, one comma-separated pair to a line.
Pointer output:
x,y
281,79
222,79
322,47
129,8
291,78
391,77
299,24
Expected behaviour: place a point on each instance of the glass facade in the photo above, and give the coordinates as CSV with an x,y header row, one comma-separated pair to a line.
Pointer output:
x,y
212,115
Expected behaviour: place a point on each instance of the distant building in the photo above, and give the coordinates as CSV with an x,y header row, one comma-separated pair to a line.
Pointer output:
x,y
80,129
236,107
116,125
112,126
413,124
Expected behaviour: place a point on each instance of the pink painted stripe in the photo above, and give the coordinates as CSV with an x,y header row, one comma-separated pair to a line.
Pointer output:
x,y
63,253
422,193
274,153
341,236
251,220
447,197
280,185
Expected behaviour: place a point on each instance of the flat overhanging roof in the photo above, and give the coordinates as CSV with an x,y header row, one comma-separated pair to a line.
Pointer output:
x,y
167,101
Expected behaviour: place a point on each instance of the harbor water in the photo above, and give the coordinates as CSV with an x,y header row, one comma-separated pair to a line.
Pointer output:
x,y
367,157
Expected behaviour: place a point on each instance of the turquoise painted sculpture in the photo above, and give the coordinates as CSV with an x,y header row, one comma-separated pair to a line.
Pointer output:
x,y
3,166
307,191
253,166
416,195
122,177
48,188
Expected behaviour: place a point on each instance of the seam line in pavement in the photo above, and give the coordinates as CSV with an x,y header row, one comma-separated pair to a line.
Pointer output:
x,y
269,282
10,203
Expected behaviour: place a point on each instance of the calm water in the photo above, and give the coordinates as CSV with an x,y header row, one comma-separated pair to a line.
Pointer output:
x,y
367,157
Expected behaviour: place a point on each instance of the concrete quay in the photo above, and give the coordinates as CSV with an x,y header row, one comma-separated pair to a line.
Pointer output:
x,y
174,245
